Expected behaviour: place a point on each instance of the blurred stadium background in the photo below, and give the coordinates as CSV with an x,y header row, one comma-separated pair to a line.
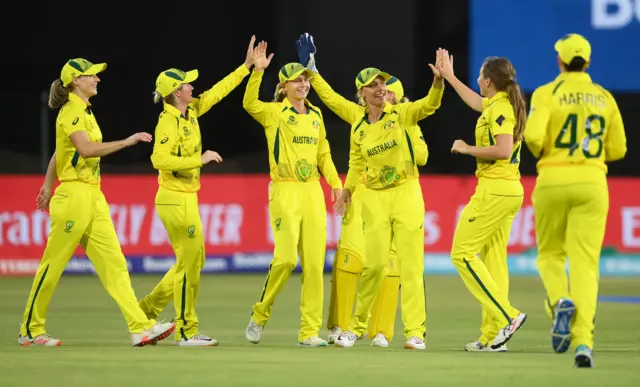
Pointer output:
x,y
400,39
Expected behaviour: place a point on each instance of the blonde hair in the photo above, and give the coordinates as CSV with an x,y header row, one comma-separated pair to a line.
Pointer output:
x,y
170,99
58,94
280,93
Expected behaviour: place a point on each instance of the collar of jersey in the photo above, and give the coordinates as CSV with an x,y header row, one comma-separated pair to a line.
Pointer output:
x,y
289,106
499,95
387,109
75,99
574,75
174,110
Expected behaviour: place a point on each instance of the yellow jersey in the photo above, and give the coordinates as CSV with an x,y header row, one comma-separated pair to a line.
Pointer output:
x,y
497,118
573,121
75,116
385,153
298,147
177,149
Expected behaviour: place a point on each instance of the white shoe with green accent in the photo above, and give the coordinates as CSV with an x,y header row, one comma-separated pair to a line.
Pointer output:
x,y
313,342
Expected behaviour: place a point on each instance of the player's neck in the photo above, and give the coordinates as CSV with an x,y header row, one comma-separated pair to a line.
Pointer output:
x,y
83,97
491,93
298,104
182,107
374,113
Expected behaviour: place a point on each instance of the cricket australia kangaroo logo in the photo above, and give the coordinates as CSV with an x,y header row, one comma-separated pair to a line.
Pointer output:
x,y
192,231
277,223
388,175
304,170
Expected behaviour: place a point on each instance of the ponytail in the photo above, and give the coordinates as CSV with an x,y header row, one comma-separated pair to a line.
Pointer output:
x,y
58,94
519,109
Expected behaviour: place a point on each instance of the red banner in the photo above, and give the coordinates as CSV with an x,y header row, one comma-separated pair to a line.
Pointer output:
x,y
235,215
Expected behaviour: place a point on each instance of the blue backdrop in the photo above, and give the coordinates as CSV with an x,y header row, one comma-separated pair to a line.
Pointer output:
x,y
525,31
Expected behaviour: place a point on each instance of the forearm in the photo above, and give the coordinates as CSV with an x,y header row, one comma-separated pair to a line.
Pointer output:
x,y
489,153
166,162
329,171
52,173
470,97
101,149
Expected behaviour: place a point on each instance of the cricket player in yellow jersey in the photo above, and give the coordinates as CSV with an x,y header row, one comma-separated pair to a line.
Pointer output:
x,y
386,149
298,153
574,128
348,264
485,222
178,157
79,211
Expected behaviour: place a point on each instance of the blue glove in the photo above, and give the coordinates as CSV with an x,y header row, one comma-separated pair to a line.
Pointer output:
x,y
306,51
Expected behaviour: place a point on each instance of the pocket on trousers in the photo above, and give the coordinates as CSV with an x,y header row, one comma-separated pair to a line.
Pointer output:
x,y
59,204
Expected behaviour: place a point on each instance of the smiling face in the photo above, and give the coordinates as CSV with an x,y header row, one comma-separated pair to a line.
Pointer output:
x,y
374,94
86,85
297,89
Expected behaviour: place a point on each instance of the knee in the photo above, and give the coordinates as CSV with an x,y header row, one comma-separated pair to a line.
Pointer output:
x,y
459,254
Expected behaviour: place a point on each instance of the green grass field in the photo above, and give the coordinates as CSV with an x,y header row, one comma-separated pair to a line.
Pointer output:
x,y
97,352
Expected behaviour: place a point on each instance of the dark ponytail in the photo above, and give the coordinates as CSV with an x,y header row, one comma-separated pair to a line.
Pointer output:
x,y
519,109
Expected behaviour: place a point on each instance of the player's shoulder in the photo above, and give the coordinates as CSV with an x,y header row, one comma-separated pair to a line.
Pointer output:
x,y
604,91
72,107
501,106
313,109
548,88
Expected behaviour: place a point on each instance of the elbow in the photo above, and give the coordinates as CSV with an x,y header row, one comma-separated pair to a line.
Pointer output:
x,y
85,152
155,161
504,154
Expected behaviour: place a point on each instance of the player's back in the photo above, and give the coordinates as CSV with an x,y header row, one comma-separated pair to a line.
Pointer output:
x,y
584,118
583,125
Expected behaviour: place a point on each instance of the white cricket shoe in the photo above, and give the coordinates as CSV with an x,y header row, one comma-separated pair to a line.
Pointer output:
x,y
158,332
253,333
476,346
415,343
346,339
198,341
505,334
334,334
42,340
380,341
313,342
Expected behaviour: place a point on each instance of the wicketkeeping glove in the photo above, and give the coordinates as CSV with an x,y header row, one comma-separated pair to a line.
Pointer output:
x,y
306,51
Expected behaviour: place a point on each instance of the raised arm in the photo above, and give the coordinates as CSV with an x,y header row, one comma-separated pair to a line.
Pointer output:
x,y
221,89
445,66
259,110
163,157
348,111
535,130
413,112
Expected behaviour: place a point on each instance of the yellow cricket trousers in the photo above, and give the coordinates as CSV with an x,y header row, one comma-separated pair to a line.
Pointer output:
x,y
299,223
388,214
483,228
80,215
571,205
180,215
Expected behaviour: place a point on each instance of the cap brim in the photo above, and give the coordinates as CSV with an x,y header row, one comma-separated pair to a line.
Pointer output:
x,y
382,74
307,72
190,76
95,69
